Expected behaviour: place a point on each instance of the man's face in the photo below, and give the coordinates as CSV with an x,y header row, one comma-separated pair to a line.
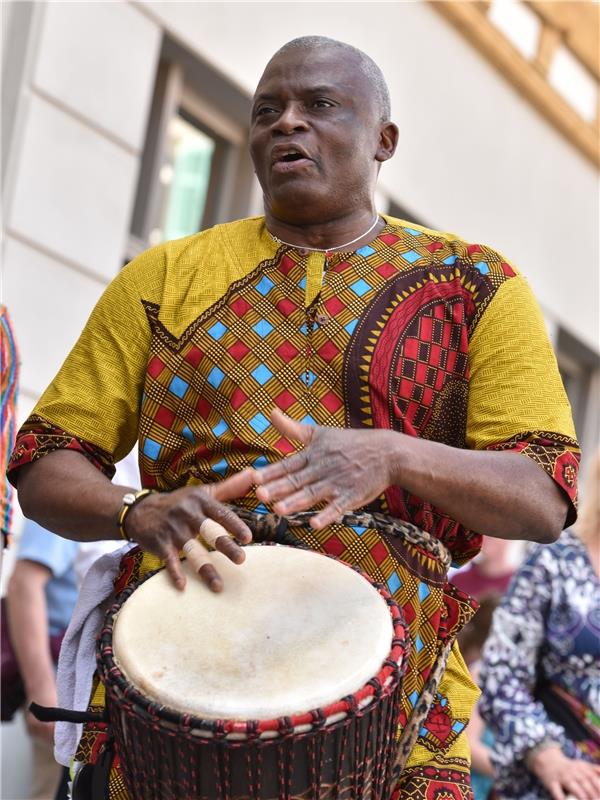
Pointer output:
x,y
315,136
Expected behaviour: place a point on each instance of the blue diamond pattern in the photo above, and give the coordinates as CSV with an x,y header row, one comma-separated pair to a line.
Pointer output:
x,y
458,726
413,697
360,287
412,231
302,282
394,582
309,378
350,326
259,422
187,432
365,251
261,461
303,329
411,256
423,591
220,467
151,449
418,643
215,377
262,374
262,328
450,260
308,420
483,267
358,530
423,731
264,285
217,330
178,386
220,428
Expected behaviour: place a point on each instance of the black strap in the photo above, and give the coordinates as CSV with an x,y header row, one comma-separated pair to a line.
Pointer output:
x,y
50,714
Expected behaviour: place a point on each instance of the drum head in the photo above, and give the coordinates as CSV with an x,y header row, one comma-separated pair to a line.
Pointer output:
x,y
292,630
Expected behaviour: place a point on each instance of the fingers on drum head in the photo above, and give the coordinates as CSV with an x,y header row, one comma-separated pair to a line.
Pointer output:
x,y
211,531
196,554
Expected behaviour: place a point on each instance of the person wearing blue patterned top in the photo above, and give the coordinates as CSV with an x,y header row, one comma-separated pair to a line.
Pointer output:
x,y
540,674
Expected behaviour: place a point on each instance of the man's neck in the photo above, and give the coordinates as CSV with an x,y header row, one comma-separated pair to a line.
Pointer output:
x,y
356,230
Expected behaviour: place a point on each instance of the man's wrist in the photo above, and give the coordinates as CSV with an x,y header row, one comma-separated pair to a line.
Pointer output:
x,y
402,457
129,501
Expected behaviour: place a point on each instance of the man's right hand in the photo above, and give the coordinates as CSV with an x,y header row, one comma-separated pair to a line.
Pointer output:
x,y
166,523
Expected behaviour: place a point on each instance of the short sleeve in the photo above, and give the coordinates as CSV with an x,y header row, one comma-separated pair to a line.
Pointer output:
x,y
93,403
46,548
516,398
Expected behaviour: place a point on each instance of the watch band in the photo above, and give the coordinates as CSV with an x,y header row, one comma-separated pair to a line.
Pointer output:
x,y
129,500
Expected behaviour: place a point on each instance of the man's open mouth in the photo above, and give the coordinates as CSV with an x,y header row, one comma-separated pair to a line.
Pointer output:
x,y
287,154
291,157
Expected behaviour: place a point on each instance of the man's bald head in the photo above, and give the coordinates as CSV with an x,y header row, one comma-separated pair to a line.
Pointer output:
x,y
365,64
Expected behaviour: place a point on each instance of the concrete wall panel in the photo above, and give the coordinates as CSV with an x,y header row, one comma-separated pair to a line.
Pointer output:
x,y
74,190
49,304
99,59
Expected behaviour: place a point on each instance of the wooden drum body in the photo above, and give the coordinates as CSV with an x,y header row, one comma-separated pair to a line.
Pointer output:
x,y
286,685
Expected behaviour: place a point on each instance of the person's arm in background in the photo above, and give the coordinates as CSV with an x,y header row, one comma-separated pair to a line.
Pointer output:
x,y
28,624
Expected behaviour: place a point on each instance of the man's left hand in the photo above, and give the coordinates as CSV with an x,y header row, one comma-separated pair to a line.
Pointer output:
x,y
345,468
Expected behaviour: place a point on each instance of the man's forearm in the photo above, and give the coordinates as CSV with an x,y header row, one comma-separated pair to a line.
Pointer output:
x,y
497,494
67,495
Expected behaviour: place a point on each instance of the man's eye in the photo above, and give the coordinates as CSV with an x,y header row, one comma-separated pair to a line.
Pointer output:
x,y
260,112
322,104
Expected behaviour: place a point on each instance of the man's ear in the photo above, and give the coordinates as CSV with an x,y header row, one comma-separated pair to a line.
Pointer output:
x,y
388,140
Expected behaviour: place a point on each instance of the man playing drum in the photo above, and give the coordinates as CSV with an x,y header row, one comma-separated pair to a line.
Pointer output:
x,y
323,357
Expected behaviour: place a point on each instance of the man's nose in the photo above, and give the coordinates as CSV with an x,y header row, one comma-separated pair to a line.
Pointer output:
x,y
291,119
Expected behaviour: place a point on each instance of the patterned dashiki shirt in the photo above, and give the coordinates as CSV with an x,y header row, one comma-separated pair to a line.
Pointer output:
x,y
196,340
546,627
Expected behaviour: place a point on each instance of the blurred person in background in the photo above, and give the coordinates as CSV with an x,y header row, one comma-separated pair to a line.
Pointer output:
x,y
41,595
9,376
490,572
540,673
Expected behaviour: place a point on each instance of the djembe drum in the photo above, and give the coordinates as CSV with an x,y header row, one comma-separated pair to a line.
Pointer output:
x,y
285,685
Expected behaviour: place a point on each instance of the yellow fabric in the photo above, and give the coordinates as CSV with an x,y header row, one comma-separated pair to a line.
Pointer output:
x,y
462,694
514,387
514,374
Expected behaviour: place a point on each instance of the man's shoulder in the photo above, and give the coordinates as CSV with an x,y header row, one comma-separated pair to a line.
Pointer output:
x,y
449,248
190,248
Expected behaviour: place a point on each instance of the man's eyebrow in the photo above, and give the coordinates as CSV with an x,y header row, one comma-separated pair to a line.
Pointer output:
x,y
322,89
263,96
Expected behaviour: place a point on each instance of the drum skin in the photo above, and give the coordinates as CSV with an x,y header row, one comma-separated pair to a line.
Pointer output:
x,y
344,748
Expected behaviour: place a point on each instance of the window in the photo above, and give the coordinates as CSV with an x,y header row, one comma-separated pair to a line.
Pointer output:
x,y
580,370
195,169
184,179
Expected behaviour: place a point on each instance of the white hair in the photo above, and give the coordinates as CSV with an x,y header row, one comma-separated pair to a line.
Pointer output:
x,y
369,68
